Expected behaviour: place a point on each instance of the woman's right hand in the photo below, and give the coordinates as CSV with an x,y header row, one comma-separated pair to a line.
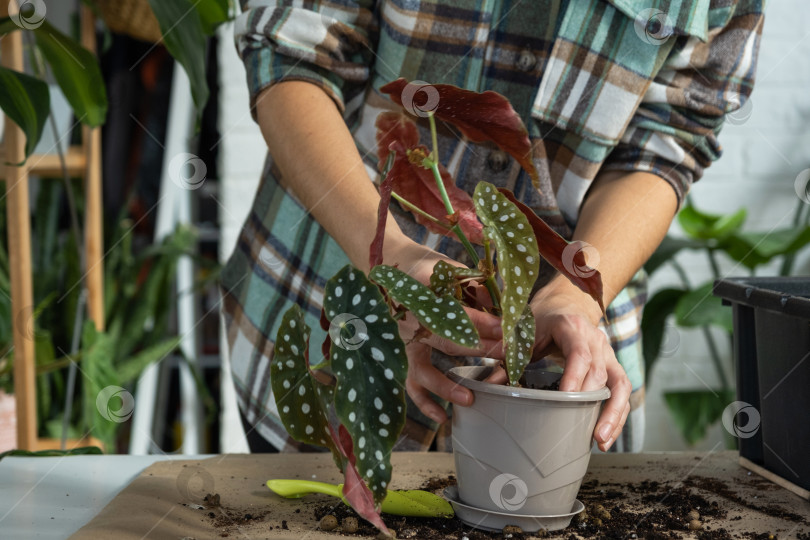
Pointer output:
x,y
423,378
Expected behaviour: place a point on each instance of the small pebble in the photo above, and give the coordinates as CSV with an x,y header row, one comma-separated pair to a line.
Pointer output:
x,y
597,508
596,522
582,517
328,523
603,514
693,515
695,525
349,525
512,529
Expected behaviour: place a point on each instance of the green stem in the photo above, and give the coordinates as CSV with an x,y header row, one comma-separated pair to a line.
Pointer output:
x,y
416,210
713,263
790,258
448,206
434,137
707,335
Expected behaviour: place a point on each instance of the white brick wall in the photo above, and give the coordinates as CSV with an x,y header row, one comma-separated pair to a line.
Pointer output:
x,y
762,158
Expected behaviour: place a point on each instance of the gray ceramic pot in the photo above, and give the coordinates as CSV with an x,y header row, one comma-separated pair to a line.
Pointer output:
x,y
519,450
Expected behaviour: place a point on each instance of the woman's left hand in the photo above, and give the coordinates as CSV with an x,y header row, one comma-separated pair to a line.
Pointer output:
x,y
567,322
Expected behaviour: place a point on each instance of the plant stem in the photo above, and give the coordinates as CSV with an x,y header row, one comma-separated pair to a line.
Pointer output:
x,y
713,263
415,209
790,258
448,206
707,335
434,137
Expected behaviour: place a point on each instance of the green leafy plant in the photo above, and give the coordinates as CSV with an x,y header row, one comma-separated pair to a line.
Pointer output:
x,y
185,26
361,376
693,305
139,299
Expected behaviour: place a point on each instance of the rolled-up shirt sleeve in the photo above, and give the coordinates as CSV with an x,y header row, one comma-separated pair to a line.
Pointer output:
x,y
329,46
673,133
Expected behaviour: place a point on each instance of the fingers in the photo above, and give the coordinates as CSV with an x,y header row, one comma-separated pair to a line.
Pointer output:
x,y
487,324
616,409
590,364
568,334
424,378
498,376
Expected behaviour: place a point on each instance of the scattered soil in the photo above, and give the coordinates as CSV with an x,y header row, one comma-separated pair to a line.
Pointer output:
x,y
718,487
648,509
227,521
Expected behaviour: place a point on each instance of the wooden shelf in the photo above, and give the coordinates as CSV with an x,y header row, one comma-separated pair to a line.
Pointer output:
x,y
49,165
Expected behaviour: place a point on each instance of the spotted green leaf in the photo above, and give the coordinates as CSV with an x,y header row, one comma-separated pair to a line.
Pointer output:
x,y
294,389
516,252
445,278
519,346
442,315
370,367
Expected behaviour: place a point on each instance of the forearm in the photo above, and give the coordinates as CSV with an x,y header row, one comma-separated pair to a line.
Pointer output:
x,y
624,217
320,164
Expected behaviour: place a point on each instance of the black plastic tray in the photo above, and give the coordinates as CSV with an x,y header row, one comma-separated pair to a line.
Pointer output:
x,y
772,353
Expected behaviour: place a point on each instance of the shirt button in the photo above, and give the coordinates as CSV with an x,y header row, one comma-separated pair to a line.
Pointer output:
x,y
497,161
526,60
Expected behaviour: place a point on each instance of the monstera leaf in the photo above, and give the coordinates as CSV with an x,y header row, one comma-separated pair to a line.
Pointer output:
x,y
370,372
442,315
295,391
518,263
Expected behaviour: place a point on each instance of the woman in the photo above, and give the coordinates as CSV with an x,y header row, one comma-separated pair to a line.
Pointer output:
x,y
623,103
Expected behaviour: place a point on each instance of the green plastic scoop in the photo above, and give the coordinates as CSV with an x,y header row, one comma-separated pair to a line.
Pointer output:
x,y
410,502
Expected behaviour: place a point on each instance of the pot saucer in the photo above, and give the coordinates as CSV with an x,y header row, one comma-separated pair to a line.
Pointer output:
x,y
489,520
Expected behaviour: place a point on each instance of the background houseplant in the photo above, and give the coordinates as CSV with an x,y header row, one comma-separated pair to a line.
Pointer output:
x,y
361,377
139,279
721,239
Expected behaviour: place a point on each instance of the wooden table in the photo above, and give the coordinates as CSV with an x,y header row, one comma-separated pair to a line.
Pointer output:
x,y
167,499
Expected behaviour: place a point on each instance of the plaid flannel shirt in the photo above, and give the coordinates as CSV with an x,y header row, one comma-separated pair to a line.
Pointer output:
x,y
631,85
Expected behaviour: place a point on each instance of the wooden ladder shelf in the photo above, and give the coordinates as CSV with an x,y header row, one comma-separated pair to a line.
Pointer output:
x,y
82,161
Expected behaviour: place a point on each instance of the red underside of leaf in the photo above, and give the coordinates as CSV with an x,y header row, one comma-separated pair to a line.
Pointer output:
x,y
375,256
551,246
486,116
396,132
327,343
354,489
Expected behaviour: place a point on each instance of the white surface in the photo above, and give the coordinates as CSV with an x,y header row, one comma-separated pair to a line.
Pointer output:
x,y
242,152
53,497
